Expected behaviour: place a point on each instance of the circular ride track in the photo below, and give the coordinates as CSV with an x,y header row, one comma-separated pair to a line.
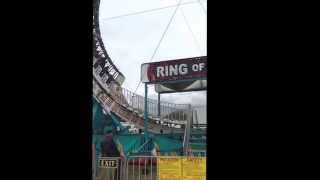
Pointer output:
x,y
128,106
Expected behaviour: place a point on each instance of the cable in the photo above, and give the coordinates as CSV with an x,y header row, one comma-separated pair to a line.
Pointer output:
x,y
204,10
193,36
165,31
147,11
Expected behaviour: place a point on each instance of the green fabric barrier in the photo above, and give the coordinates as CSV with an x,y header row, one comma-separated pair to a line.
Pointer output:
x,y
103,124
128,142
133,142
97,119
100,120
198,146
168,145
96,140
107,129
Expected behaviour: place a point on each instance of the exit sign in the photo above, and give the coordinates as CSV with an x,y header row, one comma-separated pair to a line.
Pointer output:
x,y
108,163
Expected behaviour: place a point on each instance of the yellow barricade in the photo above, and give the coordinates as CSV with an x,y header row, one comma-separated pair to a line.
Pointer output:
x,y
194,168
182,168
169,168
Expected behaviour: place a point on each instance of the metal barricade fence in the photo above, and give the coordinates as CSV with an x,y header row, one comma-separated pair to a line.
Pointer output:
x,y
133,168
110,168
141,168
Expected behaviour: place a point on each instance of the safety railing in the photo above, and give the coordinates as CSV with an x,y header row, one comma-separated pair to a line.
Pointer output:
x,y
200,114
172,115
169,112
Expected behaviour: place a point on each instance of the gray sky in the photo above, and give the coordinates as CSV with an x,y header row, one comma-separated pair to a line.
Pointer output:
x,y
132,40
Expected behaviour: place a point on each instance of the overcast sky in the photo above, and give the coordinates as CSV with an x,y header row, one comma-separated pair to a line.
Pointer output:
x,y
132,40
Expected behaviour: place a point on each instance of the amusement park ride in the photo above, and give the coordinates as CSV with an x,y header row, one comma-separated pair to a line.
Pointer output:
x,y
137,125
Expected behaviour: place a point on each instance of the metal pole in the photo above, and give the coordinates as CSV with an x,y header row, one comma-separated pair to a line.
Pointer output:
x,y
187,131
159,109
94,162
145,111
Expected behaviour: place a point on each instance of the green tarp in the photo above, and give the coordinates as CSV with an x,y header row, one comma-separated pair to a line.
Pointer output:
x,y
167,144
129,142
103,124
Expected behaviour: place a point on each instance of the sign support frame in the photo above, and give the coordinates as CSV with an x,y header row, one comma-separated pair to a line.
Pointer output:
x,y
146,135
159,107
180,71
